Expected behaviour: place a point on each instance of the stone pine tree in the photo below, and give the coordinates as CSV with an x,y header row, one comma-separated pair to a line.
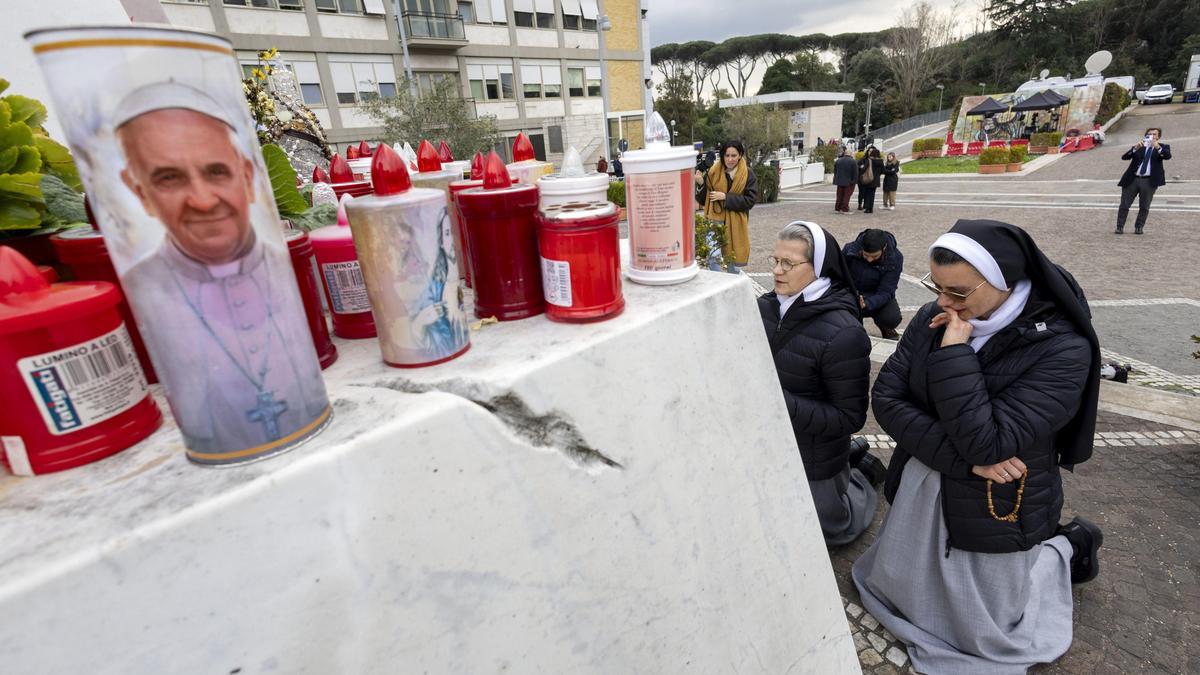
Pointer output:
x,y
441,113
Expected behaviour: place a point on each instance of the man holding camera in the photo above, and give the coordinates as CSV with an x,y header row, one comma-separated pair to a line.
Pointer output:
x,y
1142,177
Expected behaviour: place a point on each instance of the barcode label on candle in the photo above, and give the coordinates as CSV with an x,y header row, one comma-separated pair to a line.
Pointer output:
x,y
556,282
86,383
347,290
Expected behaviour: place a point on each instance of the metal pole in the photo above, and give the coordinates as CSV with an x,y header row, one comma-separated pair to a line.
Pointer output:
x,y
867,131
408,73
941,90
605,25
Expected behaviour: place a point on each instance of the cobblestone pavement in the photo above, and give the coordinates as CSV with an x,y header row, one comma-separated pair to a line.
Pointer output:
x,y
1142,614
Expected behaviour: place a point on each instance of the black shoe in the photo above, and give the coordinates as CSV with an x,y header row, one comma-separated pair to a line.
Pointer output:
x,y
858,449
873,468
1119,230
1085,538
889,334
1138,231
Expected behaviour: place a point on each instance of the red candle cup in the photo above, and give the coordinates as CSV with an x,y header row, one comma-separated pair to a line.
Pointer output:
x,y
84,252
72,388
342,279
581,261
301,251
501,226
47,273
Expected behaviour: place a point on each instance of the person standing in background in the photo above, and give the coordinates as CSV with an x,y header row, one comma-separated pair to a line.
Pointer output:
x,y
870,168
1143,176
728,191
891,181
845,177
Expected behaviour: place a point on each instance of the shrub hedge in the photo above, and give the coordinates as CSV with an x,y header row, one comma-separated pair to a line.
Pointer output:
x,y
994,156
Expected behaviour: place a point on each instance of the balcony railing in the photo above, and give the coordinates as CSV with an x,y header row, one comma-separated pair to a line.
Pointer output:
x,y
436,26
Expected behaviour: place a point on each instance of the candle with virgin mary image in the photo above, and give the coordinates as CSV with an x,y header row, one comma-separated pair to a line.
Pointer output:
x,y
164,143
406,248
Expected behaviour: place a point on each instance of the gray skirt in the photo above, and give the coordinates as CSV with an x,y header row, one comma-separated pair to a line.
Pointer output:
x,y
984,613
845,505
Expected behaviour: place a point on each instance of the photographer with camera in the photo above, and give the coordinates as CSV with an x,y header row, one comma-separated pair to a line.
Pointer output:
x,y
1142,177
728,190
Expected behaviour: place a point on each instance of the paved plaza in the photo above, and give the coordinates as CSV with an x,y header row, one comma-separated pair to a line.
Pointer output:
x,y
1143,612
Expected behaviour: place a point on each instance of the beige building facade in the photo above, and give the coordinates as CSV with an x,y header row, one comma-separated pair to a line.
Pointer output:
x,y
534,65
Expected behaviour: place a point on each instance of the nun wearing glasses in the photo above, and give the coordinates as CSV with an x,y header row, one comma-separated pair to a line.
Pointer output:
x,y
990,392
822,357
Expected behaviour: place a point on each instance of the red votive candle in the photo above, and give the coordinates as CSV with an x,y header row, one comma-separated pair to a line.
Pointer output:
x,y
342,279
84,252
500,222
301,250
72,388
581,261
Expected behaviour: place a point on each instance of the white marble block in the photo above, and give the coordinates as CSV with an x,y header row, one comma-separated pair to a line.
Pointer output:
x,y
616,497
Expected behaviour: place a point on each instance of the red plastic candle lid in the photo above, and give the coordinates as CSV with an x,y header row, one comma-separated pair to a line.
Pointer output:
x,y
352,152
477,166
319,175
427,158
364,149
339,169
28,301
495,174
444,153
388,173
523,149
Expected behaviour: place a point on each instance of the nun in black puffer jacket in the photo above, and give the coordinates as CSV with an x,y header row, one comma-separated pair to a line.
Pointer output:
x,y
822,357
990,391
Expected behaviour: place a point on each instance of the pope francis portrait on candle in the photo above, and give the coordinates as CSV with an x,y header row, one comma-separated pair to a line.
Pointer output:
x,y
217,304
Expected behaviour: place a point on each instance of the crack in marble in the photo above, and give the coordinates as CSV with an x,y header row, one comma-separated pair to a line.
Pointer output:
x,y
550,430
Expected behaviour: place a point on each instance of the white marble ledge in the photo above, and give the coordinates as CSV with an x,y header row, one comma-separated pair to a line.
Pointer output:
x,y
68,518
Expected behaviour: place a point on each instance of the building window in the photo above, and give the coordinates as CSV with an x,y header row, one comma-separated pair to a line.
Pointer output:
x,y
427,82
534,13
485,12
541,81
591,12
545,20
556,139
523,19
466,10
580,14
339,6
357,82
583,81
260,4
491,82
309,81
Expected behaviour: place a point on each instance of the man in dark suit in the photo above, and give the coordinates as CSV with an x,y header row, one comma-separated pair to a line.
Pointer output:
x,y
1142,177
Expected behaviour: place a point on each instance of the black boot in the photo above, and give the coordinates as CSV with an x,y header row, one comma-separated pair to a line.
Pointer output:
x,y
1119,230
1138,230
858,449
873,468
1086,538
889,334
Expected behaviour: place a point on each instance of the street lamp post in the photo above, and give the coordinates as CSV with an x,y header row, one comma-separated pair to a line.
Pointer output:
x,y
408,73
604,25
672,132
982,86
867,129
941,90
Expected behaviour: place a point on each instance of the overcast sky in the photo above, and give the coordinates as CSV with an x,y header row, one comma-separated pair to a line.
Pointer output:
x,y
715,20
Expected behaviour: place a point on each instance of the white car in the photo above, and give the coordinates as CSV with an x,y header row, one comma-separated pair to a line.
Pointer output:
x,y
1159,93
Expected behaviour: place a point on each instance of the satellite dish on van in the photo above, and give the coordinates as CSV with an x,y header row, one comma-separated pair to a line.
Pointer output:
x,y
1044,74
1096,63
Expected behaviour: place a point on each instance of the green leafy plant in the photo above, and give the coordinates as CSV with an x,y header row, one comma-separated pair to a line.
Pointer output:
x,y
39,185
827,154
710,242
1115,99
991,156
1054,138
290,203
768,183
616,192
1017,154
439,113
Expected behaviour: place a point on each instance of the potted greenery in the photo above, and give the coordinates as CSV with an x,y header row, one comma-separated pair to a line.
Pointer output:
x,y
918,148
40,191
993,160
1052,140
1037,143
1016,157
616,195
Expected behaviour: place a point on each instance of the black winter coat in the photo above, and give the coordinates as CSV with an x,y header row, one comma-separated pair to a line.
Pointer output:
x,y
954,409
876,171
876,281
822,357
845,171
891,177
